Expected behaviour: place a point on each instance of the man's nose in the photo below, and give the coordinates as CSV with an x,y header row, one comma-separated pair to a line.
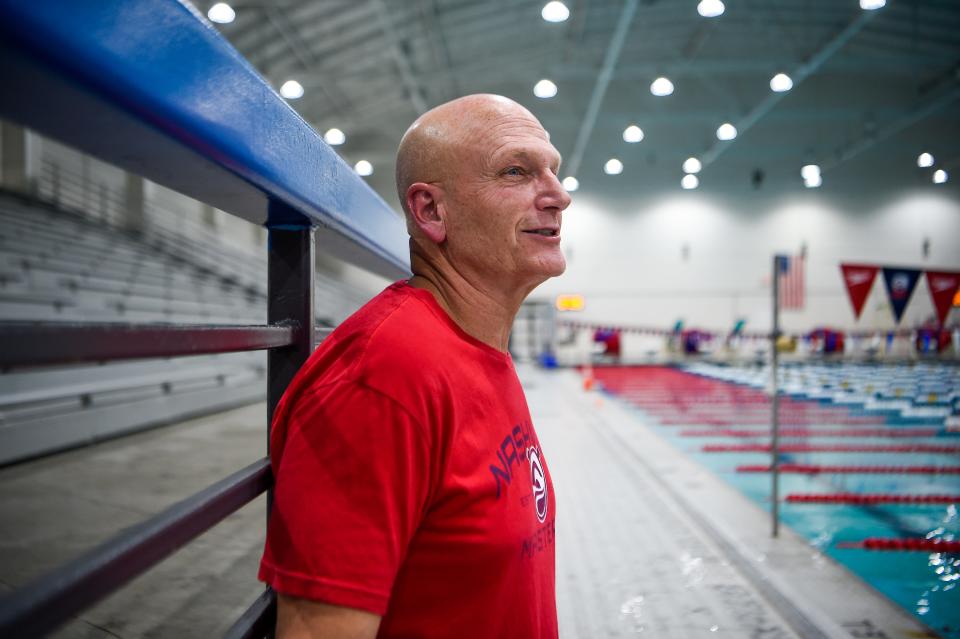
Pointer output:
x,y
553,194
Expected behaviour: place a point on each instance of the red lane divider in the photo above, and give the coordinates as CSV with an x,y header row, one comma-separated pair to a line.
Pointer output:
x,y
915,544
811,432
689,420
826,448
867,498
813,469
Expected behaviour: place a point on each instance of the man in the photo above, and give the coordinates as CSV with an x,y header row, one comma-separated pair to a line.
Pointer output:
x,y
412,496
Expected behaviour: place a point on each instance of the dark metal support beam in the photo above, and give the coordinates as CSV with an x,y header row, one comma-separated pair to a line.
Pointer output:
x,y
290,264
258,621
40,607
42,343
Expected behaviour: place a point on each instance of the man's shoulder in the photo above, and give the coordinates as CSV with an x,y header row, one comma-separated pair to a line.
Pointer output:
x,y
394,334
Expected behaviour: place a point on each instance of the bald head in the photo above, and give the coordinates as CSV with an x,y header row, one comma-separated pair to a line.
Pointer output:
x,y
437,142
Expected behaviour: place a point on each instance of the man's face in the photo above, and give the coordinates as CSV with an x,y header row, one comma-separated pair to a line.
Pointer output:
x,y
504,205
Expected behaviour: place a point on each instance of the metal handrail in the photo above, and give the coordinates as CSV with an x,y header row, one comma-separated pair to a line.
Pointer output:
x,y
31,343
145,115
43,605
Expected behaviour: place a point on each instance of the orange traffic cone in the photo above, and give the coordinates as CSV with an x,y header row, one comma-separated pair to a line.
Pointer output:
x,y
588,377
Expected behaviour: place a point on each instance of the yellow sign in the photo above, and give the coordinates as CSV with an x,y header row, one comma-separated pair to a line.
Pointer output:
x,y
569,302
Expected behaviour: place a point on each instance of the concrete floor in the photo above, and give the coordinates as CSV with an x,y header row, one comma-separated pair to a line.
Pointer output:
x,y
647,541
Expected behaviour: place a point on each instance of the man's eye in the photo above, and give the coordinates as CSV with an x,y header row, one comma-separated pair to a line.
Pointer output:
x,y
514,171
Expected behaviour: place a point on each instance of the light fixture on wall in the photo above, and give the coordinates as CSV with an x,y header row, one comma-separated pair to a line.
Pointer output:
x,y
872,5
632,134
221,13
334,137
545,89
692,165
726,131
291,90
813,182
710,8
555,11
613,167
940,176
925,160
571,183
363,168
781,83
689,181
661,87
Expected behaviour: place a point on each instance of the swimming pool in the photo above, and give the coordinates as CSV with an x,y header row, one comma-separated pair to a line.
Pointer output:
x,y
848,428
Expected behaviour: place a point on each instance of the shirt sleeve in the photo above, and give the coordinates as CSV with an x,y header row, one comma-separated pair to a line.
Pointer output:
x,y
351,486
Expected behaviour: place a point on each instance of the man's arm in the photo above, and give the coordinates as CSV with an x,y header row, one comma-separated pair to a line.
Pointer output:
x,y
305,619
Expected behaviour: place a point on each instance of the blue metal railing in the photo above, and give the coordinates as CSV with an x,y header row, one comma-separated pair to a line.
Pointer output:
x,y
150,86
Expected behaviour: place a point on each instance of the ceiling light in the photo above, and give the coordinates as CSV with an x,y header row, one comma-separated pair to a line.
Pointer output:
x,y
555,11
613,167
812,182
291,89
690,181
940,176
925,160
571,183
632,134
692,165
221,13
710,8
810,171
781,83
726,131
334,137
661,87
870,5
544,89
363,168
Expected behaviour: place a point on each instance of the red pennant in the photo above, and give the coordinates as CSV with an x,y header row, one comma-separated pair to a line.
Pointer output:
x,y
859,280
943,286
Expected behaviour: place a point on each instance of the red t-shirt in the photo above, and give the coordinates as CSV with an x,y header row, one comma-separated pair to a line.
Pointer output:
x,y
410,481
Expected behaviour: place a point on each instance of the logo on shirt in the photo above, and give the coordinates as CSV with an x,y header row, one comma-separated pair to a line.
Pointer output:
x,y
539,482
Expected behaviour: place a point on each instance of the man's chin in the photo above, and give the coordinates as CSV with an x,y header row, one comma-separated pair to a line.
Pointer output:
x,y
554,268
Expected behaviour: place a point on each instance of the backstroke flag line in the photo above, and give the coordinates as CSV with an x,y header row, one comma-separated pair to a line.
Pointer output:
x,y
943,286
900,284
859,280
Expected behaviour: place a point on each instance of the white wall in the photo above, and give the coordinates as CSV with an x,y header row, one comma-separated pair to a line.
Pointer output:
x,y
628,260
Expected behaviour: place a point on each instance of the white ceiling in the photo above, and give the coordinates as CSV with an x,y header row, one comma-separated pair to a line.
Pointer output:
x,y
873,89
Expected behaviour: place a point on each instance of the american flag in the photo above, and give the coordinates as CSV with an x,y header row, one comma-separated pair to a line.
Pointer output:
x,y
791,281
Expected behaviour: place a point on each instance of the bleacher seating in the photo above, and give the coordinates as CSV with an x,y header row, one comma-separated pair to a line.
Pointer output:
x,y
63,266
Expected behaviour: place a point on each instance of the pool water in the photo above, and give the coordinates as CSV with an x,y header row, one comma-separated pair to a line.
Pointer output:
x,y
925,584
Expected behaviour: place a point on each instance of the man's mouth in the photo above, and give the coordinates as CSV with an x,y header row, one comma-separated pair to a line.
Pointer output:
x,y
544,232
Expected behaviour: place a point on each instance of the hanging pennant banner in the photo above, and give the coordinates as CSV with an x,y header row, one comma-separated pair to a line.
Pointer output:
x,y
900,284
943,287
859,280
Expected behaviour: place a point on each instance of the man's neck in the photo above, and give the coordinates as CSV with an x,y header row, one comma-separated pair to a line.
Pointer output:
x,y
480,313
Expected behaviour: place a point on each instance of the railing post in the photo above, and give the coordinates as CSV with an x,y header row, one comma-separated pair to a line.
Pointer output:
x,y
290,290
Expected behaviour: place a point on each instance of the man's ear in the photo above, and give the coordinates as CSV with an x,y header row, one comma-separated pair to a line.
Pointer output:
x,y
425,208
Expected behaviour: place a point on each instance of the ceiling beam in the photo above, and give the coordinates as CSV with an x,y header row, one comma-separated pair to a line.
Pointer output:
x,y
804,71
412,87
306,60
600,87
429,13
944,99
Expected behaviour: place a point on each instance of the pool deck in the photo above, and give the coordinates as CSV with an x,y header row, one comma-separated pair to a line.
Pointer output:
x,y
648,541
